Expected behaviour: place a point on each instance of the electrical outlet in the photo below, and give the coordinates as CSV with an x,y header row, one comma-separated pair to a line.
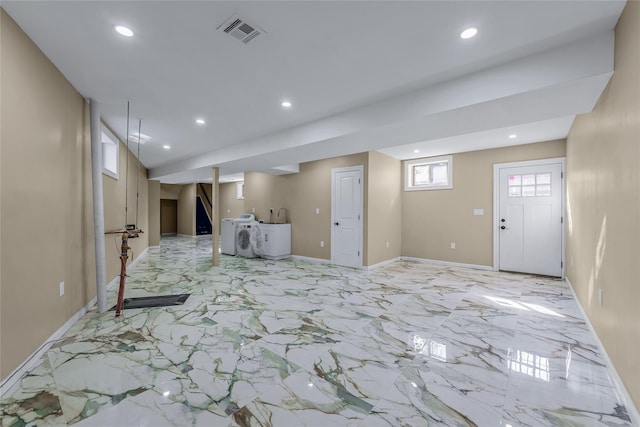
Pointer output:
x,y
453,245
228,210
322,243
600,296
61,288
387,245
253,210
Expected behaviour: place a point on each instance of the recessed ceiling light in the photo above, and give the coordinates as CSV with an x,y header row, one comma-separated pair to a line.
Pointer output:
x,y
468,33
123,31
512,136
166,147
200,121
286,104
416,151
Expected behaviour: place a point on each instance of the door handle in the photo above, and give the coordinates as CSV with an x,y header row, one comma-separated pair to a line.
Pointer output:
x,y
503,220
336,223
503,227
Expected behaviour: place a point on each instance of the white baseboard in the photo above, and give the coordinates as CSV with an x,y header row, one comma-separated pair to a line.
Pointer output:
x,y
116,278
14,377
309,259
381,264
628,402
448,263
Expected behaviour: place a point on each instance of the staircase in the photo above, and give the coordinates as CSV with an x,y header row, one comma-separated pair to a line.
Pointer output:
x,y
203,216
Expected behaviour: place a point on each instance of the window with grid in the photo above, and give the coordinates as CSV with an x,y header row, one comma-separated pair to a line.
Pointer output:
x,y
530,185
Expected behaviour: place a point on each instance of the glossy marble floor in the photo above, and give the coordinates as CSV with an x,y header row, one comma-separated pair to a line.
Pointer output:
x,y
291,343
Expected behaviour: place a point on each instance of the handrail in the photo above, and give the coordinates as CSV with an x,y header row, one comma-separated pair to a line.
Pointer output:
x,y
205,209
205,195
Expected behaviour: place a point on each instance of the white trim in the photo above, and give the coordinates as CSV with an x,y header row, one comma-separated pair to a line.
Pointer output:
x,y
334,171
116,142
30,362
626,397
381,264
496,203
153,247
168,234
313,260
448,263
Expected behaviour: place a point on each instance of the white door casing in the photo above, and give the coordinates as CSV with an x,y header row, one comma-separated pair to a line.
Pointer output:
x,y
528,217
346,216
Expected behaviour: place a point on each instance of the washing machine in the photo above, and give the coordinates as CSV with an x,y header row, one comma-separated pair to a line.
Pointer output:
x,y
229,230
244,241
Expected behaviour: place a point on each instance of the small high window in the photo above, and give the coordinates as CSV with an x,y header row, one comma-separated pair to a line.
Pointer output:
x,y
435,173
110,153
240,190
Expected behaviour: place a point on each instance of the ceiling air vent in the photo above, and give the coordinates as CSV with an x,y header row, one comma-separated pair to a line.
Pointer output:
x,y
241,30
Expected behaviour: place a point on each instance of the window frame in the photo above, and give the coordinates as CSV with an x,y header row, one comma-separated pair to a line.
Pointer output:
x,y
409,166
111,139
239,190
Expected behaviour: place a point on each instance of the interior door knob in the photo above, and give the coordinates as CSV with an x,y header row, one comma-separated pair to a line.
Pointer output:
x,y
503,220
502,227
336,223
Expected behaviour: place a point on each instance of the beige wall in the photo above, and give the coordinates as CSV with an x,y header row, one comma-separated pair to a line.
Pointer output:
x,y
187,210
603,186
47,217
384,208
154,213
263,192
170,191
230,205
311,189
115,216
431,220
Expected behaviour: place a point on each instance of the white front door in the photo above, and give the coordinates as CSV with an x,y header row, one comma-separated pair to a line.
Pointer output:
x,y
530,218
346,216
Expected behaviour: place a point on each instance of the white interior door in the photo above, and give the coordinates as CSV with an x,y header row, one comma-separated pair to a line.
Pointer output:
x,y
346,216
530,218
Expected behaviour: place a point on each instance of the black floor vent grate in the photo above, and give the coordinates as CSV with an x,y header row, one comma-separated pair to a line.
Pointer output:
x,y
156,301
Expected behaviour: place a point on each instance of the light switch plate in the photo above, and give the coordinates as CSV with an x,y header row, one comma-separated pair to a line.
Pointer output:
x,y
478,212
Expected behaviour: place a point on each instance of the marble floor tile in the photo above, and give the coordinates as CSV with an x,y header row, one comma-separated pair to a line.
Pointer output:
x,y
293,343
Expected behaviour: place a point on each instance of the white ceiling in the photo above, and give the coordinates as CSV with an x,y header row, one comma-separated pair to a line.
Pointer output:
x,y
392,76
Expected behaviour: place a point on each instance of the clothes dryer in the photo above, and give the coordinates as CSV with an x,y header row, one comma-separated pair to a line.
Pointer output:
x,y
229,232
245,239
